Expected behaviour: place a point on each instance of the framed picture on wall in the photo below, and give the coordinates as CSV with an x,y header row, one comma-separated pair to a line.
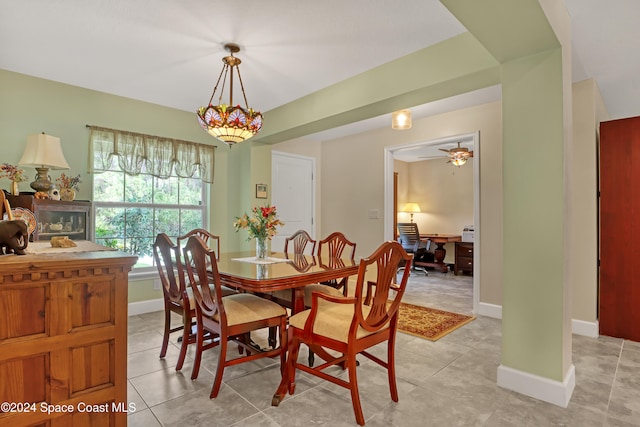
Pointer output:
x,y
261,191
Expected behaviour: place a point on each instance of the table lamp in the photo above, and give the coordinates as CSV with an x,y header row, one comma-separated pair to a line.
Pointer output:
x,y
43,152
411,208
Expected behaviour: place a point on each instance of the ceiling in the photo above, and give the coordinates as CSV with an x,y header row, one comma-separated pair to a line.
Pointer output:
x,y
169,53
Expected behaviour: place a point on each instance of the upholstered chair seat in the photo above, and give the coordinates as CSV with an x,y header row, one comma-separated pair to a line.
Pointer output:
x,y
333,320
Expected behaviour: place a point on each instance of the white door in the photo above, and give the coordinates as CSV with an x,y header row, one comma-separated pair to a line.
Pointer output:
x,y
292,183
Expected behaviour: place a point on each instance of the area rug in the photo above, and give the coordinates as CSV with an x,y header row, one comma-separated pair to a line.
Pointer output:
x,y
429,323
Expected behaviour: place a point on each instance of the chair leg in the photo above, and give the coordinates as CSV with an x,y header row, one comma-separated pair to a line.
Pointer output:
x,y
283,345
294,348
186,333
222,360
391,368
167,329
199,346
272,337
353,385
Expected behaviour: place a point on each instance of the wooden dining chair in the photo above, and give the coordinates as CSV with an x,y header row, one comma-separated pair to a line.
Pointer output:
x,y
209,239
352,325
297,243
294,246
178,297
230,317
330,250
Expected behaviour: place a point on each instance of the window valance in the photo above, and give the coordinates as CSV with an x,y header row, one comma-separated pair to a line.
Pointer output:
x,y
159,156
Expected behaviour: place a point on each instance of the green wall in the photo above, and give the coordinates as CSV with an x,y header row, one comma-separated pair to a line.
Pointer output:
x,y
32,105
533,225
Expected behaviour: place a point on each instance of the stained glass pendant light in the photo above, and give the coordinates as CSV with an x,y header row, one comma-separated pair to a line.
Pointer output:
x,y
226,122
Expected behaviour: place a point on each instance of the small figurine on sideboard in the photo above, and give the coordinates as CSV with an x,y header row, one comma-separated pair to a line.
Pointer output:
x,y
14,237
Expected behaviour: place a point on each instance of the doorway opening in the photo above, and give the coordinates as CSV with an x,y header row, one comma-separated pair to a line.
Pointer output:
x,y
427,149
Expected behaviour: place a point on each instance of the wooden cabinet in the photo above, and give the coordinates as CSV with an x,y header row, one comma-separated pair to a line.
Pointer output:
x,y
57,217
464,258
63,338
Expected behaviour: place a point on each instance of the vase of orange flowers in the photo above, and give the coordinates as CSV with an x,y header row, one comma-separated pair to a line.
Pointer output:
x,y
14,174
261,226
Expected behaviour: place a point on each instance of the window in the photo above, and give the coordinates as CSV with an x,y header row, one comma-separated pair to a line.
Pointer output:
x,y
131,210
144,185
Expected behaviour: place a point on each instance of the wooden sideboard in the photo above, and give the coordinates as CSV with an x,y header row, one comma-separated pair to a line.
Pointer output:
x,y
63,338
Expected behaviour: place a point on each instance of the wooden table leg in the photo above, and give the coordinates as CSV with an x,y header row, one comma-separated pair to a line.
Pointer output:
x,y
440,252
298,300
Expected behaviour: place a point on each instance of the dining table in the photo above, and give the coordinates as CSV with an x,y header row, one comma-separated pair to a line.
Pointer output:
x,y
242,270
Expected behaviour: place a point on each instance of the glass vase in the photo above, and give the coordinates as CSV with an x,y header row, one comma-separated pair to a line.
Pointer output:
x,y
14,188
261,248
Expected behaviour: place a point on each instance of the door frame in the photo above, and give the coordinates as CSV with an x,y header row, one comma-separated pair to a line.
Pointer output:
x,y
389,209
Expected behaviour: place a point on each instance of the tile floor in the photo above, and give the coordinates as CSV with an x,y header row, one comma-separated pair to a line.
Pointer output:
x,y
451,382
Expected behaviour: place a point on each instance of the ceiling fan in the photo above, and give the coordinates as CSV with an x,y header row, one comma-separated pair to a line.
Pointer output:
x,y
458,156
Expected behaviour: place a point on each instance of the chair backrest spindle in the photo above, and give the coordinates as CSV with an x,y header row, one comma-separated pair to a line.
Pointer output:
x,y
382,295
299,241
202,268
167,259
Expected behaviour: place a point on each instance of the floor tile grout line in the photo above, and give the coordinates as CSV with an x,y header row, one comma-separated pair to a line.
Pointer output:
x,y
615,375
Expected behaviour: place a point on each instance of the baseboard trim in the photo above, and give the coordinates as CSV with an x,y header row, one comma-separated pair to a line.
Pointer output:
x,y
578,327
147,306
490,310
541,388
588,329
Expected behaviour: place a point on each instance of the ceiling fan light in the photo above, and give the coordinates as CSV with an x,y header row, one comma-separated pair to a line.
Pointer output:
x,y
401,119
459,159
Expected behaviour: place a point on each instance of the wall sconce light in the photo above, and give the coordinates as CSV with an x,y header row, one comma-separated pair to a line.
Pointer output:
x,y
411,208
43,152
401,119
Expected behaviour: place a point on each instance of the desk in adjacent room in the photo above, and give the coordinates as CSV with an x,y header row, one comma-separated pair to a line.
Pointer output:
x,y
440,252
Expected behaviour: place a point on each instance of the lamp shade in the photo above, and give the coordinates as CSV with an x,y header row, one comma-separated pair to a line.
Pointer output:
x,y
411,208
401,119
43,151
